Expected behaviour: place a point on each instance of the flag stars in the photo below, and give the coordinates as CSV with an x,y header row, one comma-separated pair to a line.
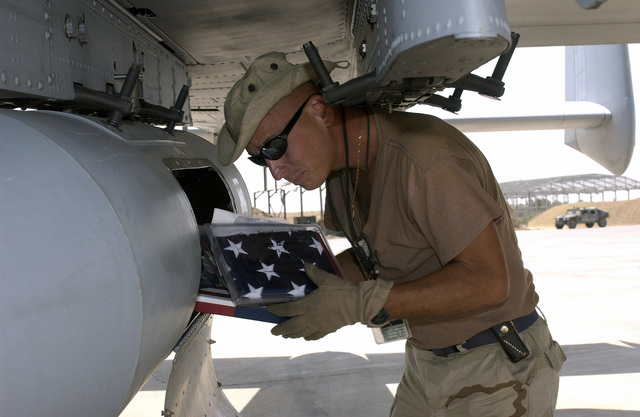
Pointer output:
x,y
317,245
305,262
278,247
268,271
254,293
236,248
298,290
262,275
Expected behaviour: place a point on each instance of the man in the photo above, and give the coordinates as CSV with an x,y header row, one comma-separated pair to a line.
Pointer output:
x,y
428,223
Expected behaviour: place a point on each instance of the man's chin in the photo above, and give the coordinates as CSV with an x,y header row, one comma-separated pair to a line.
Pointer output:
x,y
309,185
301,180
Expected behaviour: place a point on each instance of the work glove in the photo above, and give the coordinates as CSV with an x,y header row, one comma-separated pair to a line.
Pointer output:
x,y
334,304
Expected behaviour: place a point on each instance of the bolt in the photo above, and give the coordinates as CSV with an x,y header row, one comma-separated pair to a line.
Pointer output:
x,y
363,49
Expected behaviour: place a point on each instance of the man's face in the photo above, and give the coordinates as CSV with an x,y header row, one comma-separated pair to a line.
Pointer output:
x,y
307,159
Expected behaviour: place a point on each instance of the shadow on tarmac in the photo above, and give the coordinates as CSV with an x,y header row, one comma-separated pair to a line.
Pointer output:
x,y
339,383
601,359
349,383
585,359
317,384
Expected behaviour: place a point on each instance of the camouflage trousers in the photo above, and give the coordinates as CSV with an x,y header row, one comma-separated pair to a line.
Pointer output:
x,y
482,381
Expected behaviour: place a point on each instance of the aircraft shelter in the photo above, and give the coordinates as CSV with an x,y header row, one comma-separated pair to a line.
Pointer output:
x,y
531,197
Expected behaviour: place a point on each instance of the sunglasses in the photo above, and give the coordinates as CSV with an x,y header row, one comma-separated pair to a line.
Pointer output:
x,y
275,147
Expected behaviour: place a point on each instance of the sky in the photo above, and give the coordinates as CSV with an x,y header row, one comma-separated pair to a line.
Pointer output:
x,y
534,80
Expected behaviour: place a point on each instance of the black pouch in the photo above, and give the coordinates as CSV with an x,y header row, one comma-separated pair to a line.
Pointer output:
x,y
511,343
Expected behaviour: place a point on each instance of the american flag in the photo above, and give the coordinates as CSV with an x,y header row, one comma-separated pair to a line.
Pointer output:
x,y
218,301
213,296
267,266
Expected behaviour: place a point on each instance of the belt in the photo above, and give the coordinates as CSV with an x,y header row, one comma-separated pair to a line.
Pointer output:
x,y
487,336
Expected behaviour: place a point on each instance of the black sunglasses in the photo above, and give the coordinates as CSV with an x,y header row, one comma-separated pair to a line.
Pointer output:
x,y
275,147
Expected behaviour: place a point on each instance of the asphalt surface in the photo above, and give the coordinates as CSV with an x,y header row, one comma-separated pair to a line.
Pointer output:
x,y
589,286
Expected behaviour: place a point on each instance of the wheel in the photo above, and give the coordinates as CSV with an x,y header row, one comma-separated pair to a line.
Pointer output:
x,y
572,223
602,222
589,224
559,225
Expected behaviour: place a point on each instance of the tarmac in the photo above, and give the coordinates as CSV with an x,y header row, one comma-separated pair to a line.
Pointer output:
x,y
589,286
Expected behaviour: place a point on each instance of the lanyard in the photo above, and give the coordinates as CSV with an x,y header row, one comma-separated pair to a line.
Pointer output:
x,y
358,241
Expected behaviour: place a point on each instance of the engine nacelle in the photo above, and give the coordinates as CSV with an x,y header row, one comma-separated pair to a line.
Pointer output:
x,y
100,255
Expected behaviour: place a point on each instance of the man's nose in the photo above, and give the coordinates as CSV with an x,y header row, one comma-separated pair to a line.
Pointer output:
x,y
277,168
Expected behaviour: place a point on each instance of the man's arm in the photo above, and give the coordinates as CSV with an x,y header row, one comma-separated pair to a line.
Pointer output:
x,y
474,281
350,266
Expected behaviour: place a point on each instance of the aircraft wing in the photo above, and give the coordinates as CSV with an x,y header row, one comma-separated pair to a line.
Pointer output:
x,y
218,40
402,53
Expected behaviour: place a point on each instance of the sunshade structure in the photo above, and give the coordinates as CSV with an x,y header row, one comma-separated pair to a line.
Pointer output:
x,y
530,197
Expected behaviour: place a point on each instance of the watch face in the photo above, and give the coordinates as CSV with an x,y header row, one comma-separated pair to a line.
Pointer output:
x,y
381,317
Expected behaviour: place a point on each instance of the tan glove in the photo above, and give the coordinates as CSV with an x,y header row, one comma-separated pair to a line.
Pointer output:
x,y
334,304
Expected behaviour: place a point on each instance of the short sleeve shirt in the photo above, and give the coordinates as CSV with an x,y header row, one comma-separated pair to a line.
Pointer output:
x,y
433,194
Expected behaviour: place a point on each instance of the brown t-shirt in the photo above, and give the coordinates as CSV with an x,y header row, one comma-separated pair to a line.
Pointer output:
x,y
433,194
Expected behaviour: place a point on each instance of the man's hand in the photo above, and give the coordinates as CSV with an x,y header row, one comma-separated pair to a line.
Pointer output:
x,y
336,303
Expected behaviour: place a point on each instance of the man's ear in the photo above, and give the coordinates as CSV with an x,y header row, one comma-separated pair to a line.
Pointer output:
x,y
321,110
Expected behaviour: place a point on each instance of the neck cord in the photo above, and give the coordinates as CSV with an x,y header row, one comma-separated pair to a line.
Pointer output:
x,y
366,172
355,185
358,242
345,181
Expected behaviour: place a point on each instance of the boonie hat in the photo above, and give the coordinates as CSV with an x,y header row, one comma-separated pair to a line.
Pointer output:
x,y
268,80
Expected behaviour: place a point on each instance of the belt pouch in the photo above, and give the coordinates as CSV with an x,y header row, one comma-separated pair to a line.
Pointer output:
x,y
510,341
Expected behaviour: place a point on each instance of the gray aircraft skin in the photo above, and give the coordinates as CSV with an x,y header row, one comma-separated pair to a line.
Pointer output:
x,y
100,209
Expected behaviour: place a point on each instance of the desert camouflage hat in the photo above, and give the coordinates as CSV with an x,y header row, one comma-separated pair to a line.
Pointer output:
x,y
268,80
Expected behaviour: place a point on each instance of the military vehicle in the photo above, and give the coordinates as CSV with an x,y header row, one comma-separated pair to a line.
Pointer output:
x,y
587,215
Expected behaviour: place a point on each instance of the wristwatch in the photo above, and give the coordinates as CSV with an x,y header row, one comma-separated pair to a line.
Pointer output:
x,y
381,318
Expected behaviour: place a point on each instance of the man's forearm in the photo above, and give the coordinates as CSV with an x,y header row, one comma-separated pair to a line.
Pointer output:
x,y
350,266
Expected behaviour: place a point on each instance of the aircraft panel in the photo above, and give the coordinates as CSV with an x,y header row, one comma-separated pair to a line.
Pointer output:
x,y
221,31
557,23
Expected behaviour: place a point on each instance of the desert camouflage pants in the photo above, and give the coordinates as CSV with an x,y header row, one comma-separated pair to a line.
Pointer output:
x,y
482,381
